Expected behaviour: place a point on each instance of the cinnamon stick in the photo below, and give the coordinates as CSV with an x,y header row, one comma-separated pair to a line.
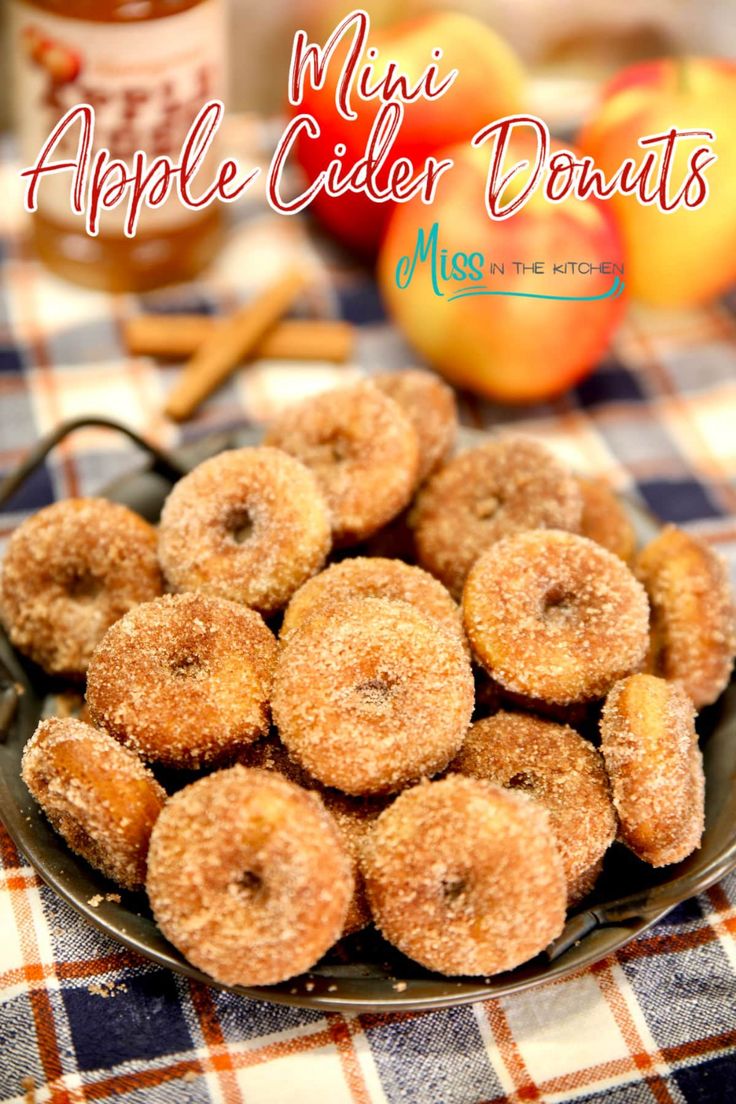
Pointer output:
x,y
178,336
221,352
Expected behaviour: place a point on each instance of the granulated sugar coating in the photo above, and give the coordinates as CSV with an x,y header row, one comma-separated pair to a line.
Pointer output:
x,y
353,815
693,613
375,577
554,616
372,696
605,519
465,877
430,406
71,571
650,747
248,877
250,525
558,768
363,451
185,680
97,795
503,487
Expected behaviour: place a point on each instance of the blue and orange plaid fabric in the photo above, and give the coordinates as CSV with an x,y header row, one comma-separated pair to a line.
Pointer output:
x,y
82,1019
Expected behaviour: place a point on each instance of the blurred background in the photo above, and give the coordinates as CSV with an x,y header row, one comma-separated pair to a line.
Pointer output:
x,y
601,74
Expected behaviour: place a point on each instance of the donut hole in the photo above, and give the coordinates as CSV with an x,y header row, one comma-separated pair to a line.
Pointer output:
x,y
522,780
376,692
249,885
454,889
333,450
487,507
84,587
186,664
240,526
558,603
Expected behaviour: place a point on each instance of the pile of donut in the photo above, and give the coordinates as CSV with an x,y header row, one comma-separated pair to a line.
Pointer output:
x,y
407,750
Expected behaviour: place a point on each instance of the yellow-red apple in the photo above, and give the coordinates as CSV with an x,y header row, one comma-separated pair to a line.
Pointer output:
x,y
508,347
685,256
488,86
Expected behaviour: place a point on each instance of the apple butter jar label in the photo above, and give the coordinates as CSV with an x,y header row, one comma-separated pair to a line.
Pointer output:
x,y
146,81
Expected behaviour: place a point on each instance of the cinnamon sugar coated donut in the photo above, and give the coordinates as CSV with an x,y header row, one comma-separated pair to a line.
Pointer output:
x,y
353,815
247,876
693,613
505,486
558,768
374,577
465,877
554,616
580,887
430,406
70,571
97,795
184,680
605,520
249,525
650,746
372,696
363,451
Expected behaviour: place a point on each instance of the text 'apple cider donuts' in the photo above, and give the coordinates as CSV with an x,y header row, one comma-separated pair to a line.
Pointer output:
x,y
465,877
505,486
248,876
372,696
184,680
70,571
249,525
363,451
98,795
650,746
554,616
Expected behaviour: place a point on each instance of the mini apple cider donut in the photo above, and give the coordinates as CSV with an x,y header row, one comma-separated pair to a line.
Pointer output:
x,y
374,577
97,795
605,520
651,751
184,680
354,816
505,486
582,886
249,525
693,622
430,406
71,571
372,695
363,451
465,877
248,877
557,767
554,616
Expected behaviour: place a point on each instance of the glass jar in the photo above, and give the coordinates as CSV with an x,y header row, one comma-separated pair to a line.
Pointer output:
x,y
147,67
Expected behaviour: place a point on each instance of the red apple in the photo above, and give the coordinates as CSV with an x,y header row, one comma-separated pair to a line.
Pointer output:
x,y
489,85
685,256
507,347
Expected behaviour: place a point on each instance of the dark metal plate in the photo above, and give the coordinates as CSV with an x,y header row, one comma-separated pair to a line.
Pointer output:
x,y
363,973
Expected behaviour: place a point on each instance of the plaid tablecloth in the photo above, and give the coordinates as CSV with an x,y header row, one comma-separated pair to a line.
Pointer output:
x,y
82,1019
